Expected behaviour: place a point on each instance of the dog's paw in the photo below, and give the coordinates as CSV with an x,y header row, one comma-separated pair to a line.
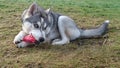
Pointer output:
x,y
19,43
22,44
19,37
56,40
60,42
17,40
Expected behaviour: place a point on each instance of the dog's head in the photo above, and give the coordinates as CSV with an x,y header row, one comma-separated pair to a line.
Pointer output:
x,y
35,22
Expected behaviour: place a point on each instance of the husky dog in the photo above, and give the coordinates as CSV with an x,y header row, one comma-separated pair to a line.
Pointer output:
x,y
51,27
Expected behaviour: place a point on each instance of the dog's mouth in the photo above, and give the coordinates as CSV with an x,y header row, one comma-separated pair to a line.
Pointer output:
x,y
37,42
40,40
31,39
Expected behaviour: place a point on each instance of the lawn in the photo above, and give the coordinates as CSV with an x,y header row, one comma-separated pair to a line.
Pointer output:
x,y
101,52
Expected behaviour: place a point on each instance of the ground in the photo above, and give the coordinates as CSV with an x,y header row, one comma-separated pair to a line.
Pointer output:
x,y
101,52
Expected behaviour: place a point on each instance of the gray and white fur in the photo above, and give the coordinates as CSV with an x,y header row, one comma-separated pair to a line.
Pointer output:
x,y
50,27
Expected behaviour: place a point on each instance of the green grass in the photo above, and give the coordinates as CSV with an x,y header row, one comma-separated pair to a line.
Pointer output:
x,y
86,53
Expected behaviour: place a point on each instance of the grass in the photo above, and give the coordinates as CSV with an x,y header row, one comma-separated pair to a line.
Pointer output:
x,y
82,53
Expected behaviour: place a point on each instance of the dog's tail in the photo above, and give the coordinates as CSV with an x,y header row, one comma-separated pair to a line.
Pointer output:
x,y
88,33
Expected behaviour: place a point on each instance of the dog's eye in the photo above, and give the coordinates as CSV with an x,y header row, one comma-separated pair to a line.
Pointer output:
x,y
36,25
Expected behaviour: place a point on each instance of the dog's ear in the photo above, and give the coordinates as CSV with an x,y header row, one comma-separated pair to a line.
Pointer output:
x,y
33,9
24,14
44,13
48,11
30,11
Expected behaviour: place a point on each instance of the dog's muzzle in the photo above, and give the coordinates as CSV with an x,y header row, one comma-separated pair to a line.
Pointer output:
x,y
40,40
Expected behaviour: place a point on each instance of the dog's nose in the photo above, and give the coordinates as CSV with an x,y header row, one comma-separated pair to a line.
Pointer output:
x,y
41,39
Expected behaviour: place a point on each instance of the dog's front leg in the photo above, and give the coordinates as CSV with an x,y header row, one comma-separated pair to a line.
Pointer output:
x,y
60,42
62,29
18,39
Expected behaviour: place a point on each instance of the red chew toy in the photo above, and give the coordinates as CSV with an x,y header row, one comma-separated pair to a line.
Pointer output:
x,y
29,38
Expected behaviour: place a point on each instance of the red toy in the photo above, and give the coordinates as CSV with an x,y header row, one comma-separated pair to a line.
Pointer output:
x,y
29,38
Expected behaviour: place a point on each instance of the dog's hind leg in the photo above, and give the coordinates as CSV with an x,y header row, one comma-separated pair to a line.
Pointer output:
x,y
67,30
64,39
